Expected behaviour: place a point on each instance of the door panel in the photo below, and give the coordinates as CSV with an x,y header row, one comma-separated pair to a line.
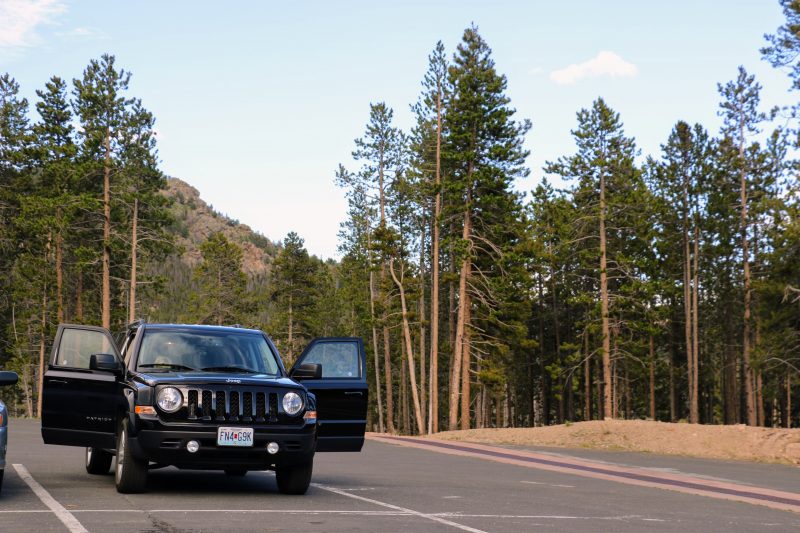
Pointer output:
x,y
341,393
79,405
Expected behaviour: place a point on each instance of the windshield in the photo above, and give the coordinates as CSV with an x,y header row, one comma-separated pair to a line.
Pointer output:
x,y
206,351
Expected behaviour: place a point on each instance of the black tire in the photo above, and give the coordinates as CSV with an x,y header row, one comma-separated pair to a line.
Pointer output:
x,y
130,472
235,472
1,479
294,479
98,461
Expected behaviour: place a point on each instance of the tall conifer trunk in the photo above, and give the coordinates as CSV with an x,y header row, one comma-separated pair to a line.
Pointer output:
x,y
458,348
106,288
134,249
748,372
433,423
409,349
607,392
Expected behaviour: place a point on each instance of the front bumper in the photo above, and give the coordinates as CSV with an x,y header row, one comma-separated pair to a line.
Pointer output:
x,y
167,446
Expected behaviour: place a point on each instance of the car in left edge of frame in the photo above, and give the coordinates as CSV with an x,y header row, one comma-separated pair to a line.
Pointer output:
x,y
6,378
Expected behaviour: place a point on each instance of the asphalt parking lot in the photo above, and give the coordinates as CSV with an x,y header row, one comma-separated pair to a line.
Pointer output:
x,y
386,487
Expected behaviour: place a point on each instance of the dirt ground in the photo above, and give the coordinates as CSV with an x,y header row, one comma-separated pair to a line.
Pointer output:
x,y
738,442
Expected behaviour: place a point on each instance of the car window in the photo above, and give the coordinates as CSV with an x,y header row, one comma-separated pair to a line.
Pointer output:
x,y
78,345
198,350
339,359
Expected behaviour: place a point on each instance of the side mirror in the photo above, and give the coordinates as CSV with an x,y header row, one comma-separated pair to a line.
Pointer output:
x,y
106,362
8,378
307,371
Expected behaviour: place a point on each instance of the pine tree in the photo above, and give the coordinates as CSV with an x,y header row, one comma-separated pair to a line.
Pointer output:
x,y
485,154
222,296
741,117
427,164
294,291
604,169
381,152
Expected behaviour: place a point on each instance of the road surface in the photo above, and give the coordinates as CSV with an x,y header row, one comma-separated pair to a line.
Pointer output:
x,y
407,485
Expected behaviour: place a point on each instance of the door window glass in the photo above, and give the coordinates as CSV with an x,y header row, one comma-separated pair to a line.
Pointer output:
x,y
338,359
78,345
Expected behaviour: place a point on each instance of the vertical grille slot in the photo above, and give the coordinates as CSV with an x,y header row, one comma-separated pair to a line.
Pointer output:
x,y
192,404
233,413
273,407
261,406
221,410
206,405
247,406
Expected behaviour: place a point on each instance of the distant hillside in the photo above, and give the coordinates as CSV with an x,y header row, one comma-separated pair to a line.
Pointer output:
x,y
195,220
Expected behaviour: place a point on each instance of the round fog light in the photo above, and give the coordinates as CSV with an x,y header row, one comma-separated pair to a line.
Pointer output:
x,y
272,448
192,446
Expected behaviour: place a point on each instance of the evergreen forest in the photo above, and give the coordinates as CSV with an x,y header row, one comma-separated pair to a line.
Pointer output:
x,y
661,286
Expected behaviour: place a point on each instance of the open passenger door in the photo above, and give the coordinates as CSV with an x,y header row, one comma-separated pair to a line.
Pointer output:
x,y
341,391
80,396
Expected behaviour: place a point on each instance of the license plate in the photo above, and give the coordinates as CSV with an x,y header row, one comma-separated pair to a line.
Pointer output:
x,y
235,437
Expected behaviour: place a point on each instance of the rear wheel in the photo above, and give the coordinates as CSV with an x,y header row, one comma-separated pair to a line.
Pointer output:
x,y
235,472
98,461
131,473
294,479
1,480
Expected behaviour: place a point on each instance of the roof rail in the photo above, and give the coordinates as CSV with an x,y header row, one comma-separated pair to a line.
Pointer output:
x,y
237,326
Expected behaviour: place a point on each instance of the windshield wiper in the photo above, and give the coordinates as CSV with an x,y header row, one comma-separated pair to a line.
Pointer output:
x,y
166,366
230,369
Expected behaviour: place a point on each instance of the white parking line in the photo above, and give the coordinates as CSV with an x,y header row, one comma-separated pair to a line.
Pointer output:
x,y
61,513
398,508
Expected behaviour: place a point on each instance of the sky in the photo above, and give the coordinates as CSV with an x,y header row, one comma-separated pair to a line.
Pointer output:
x,y
257,103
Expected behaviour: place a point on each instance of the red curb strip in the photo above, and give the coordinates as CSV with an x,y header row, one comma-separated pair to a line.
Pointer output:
x,y
786,501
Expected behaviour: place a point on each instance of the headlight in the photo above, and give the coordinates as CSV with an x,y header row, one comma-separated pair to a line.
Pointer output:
x,y
169,399
292,403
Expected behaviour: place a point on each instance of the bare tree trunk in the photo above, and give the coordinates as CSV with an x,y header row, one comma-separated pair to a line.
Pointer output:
x,y
587,378
387,370
466,362
652,379
134,249
458,348
607,405
788,399
375,347
409,348
405,422
748,372
433,417
695,327
41,352
422,331
290,313
672,400
106,289
59,273
687,306
79,297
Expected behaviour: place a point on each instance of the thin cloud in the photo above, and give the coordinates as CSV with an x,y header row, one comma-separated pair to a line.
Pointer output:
x,y
20,18
604,64
83,33
535,70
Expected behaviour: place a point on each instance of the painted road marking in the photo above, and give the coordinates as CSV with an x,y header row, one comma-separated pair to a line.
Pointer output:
x,y
775,499
548,484
398,508
350,513
67,518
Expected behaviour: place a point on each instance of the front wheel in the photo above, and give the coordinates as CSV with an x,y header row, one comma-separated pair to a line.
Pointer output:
x,y
131,473
98,461
294,479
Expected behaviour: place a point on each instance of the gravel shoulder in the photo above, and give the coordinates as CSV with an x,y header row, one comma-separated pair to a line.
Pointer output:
x,y
738,442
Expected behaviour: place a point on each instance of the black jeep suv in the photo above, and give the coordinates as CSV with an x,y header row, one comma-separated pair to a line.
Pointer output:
x,y
202,397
